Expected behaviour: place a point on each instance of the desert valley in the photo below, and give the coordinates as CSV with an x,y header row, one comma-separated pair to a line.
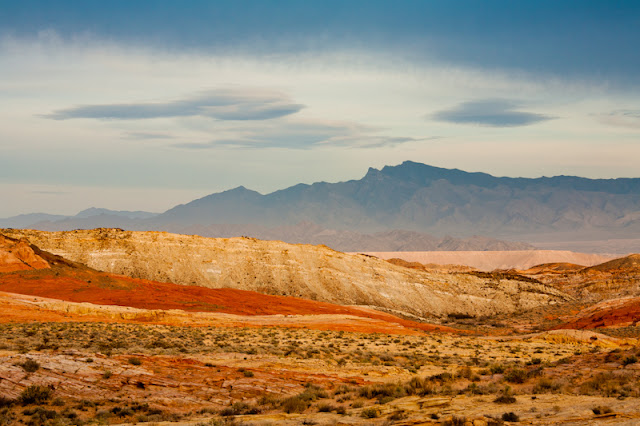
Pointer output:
x,y
108,326
329,212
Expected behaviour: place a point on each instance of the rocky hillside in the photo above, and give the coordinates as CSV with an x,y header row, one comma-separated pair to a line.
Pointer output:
x,y
490,260
18,256
277,268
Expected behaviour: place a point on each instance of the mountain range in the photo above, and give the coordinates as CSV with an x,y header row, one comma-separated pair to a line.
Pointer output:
x,y
427,203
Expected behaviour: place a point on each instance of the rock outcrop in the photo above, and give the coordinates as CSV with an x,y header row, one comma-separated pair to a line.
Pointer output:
x,y
277,268
17,255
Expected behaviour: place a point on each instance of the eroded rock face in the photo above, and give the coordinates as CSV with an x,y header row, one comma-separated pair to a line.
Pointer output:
x,y
274,267
18,256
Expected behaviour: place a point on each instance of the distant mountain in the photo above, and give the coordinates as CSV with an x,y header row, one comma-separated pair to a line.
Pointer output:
x,y
414,197
28,220
87,219
422,198
90,212
351,241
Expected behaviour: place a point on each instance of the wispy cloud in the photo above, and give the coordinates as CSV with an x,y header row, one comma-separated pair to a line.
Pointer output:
x,y
146,135
300,135
490,112
622,118
216,104
50,192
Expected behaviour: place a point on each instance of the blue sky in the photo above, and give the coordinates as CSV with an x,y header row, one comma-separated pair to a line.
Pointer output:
x,y
143,105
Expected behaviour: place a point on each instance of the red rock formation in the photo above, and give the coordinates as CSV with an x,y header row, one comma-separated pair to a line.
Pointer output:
x,y
17,255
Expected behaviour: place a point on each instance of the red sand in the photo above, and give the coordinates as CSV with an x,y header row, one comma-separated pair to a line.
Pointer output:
x,y
85,285
627,313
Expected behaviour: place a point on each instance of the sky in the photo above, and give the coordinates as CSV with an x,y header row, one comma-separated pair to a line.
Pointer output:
x,y
145,105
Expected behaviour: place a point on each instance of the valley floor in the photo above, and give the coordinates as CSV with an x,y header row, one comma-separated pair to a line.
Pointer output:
x,y
113,373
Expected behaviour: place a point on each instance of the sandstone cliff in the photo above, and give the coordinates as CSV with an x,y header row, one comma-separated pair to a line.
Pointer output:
x,y
274,267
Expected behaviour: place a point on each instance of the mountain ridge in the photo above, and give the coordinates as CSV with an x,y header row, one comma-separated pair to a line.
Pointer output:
x,y
413,197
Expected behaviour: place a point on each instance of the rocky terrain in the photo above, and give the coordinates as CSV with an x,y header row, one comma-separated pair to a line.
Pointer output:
x,y
276,268
18,256
490,260
82,346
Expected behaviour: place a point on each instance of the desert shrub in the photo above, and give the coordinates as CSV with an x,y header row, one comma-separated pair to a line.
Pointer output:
x,y
106,375
383,391
30,366
134,361
35,394
313,392
58,402
607,384
397,415
83,404
40,416
516,375
505,397
325,408
455,421
294,404
632,359
465,372
342,389
474,389
534,361
248,373
441,378
496,369
601,410
370,413
357,404
510,417
122,411
269,400
236,409
545,385
6,402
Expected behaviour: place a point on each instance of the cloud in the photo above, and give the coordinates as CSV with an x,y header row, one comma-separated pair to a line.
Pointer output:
x,y
489,112
622,118
50,192
146,135
216,104
300,135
